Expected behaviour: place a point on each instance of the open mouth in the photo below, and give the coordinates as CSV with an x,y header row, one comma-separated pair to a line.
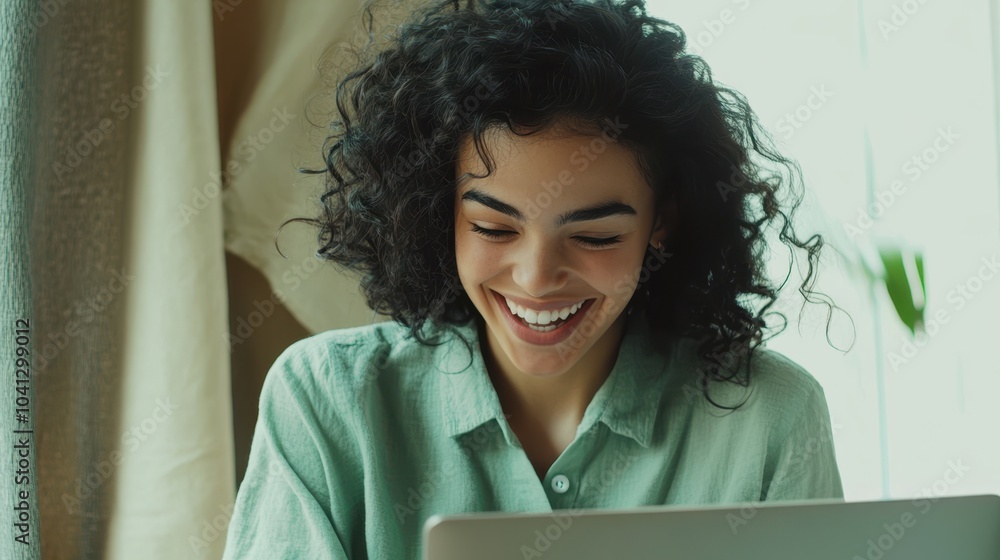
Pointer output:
x,y
558,324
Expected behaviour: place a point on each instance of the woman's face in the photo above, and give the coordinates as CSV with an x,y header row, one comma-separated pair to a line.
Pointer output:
x,y
573,217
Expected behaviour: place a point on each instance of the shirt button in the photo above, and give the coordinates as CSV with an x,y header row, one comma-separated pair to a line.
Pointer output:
x,y
560,483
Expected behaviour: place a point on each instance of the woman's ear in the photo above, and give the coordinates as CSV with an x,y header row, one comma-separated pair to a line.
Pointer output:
x,y
666,222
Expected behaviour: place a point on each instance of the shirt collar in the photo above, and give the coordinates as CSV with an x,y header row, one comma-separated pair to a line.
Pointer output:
x,y
629,400
622,403
468,398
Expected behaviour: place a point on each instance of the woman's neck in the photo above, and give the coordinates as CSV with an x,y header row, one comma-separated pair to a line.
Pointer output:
x,y
557,401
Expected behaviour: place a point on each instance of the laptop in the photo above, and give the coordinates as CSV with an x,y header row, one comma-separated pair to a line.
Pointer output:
x,y
932,528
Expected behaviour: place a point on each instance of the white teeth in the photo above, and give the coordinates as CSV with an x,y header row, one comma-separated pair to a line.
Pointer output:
x,y
542,317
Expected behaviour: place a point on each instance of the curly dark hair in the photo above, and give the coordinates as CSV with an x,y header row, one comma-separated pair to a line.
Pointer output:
x,y
449,72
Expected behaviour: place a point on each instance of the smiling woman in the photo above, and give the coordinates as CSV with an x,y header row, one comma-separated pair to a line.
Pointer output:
x,y
568,258
564,216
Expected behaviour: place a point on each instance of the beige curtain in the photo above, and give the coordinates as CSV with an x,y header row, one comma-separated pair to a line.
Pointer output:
x,y
164,145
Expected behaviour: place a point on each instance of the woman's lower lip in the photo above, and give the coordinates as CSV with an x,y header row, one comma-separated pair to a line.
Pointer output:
x,y
526,334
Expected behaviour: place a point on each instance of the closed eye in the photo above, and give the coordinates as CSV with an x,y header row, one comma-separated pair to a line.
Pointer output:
x,y
492,233
501,234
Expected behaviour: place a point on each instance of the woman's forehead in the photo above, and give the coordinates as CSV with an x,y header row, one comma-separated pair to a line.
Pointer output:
x,y
544,181
545,157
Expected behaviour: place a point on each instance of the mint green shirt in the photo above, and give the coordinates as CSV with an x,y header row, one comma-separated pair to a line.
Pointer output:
x,y
364,433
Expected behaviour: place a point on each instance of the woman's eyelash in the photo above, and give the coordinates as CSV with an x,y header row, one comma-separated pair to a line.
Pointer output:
x,y
602,242
592,241
494,233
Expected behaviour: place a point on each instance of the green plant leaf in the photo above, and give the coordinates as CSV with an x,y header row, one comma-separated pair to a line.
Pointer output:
x,y
904,280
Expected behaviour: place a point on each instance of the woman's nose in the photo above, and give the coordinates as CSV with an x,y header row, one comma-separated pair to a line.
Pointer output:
x,y
540,267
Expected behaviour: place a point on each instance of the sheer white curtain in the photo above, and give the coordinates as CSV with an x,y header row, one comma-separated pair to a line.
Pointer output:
x,y
890,107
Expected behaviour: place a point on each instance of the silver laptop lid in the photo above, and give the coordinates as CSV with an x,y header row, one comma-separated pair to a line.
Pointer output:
x,y
943,528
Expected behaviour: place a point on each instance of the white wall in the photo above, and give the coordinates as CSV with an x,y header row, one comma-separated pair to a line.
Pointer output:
x,y
903,78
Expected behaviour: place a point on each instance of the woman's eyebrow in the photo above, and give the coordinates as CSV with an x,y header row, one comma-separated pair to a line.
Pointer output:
x,y
594,212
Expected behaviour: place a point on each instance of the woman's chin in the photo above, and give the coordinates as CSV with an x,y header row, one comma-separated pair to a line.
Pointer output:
x,y
541,362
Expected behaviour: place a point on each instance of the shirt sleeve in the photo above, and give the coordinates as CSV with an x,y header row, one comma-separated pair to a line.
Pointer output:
x,y
282,509
806,460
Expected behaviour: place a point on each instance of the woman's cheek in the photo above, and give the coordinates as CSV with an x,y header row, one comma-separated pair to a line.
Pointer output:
x,y
620,275
612,265
477,256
